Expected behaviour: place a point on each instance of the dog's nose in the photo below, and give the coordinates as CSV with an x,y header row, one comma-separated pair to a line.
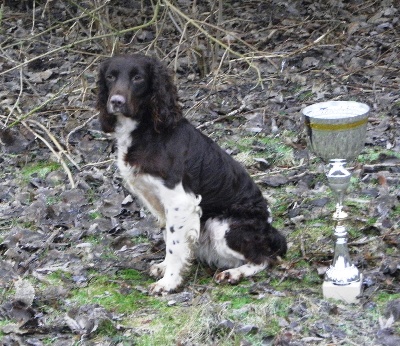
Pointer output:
x,y
117,100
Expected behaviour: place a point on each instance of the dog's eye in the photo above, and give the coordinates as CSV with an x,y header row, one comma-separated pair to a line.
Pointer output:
x,y
137,78
110,77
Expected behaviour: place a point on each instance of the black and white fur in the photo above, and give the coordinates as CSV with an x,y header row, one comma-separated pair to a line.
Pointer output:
x,y
207,203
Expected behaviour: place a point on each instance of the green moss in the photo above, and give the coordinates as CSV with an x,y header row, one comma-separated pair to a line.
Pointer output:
x,y
3,323
269,148
383,297
374,154
305,96
95,215
395,211
237,295
115,293
140,239
51,200
41,169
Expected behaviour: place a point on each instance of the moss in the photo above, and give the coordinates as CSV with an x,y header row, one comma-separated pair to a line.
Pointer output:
x,y
374,154
95,215
115,293
40,169
269,148
237,296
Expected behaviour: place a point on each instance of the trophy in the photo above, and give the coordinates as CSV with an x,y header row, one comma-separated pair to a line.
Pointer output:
x,y
336,133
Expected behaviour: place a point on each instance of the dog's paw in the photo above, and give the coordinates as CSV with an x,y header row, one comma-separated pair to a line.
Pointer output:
x,y
158,270
163,287
230,276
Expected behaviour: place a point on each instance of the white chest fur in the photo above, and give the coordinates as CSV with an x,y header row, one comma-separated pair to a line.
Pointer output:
x,y
144,186
123,134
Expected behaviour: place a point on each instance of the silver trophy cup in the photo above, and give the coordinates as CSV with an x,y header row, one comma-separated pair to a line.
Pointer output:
x,y
336,133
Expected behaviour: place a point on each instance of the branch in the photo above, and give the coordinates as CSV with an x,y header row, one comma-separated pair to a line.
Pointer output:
x,y
88,39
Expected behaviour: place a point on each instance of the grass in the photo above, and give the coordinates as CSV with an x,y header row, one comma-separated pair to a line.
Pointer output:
x,y
157,323
115,293
260,146
95,215
374,155
39,169
3,323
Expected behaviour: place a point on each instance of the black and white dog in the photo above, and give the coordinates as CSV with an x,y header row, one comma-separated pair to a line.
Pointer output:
x,y
207,203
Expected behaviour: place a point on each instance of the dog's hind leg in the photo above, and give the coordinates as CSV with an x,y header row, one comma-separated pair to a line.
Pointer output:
x,y
215,248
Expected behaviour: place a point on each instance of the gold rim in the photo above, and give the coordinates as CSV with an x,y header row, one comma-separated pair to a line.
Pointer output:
x,y
333,127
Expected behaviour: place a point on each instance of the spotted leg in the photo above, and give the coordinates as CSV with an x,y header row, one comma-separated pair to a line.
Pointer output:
x,y
182,213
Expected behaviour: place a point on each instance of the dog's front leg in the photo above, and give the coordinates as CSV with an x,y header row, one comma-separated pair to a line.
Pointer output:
x,y
182,231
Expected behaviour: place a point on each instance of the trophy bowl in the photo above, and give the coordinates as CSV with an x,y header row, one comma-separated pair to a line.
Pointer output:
x,y
336,129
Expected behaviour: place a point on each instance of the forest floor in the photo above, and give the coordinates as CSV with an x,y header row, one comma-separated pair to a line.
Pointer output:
x,y
75,246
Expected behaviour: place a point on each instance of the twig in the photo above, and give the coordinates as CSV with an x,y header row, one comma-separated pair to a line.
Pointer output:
x,y
34,110
214,39
52,28
84,40
230,114
101,163
21,88
76,129
25,265
56,143
60,159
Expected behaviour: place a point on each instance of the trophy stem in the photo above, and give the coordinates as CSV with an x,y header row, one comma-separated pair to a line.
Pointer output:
x,y
339,180
342,279
342,271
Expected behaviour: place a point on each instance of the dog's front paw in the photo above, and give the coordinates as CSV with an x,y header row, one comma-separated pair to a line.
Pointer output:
x,y
158,270
230,276
163,287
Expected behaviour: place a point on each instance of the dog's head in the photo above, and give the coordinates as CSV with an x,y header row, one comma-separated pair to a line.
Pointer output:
x,y
138,87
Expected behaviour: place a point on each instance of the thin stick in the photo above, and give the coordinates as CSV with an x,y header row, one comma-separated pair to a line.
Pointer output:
x,y
62,162
214,39
77,128
84,40
34,110
56,143
21,88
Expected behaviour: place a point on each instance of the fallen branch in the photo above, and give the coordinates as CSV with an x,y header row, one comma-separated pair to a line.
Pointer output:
x,y
59,158
85,40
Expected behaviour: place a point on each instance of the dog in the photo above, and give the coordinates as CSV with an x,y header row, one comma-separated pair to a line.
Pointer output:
x,y
205,201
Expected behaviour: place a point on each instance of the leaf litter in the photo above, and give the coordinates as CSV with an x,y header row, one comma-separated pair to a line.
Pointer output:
x,y
63,226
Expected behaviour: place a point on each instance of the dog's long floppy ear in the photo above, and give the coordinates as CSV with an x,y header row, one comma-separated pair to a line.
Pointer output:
x,y
107,121
164,99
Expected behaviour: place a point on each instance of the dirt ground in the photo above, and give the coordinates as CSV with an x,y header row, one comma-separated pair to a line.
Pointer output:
x,y
244,72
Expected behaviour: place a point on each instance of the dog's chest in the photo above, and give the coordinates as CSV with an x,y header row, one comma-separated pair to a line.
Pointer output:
x,y
123,134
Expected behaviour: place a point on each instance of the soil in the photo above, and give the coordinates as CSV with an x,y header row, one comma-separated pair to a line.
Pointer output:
x,y
243,78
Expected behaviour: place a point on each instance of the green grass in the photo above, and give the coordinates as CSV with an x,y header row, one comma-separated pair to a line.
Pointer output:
x,y
115,293
40,169
95,215
374,155
3,323
269,148
157,323
237,296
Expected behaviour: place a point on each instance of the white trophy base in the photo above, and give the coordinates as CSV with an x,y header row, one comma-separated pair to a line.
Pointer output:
x,y
348,294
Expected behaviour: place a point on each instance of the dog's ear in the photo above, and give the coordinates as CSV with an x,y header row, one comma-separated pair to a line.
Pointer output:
x,y
102,90
107,121
164,99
